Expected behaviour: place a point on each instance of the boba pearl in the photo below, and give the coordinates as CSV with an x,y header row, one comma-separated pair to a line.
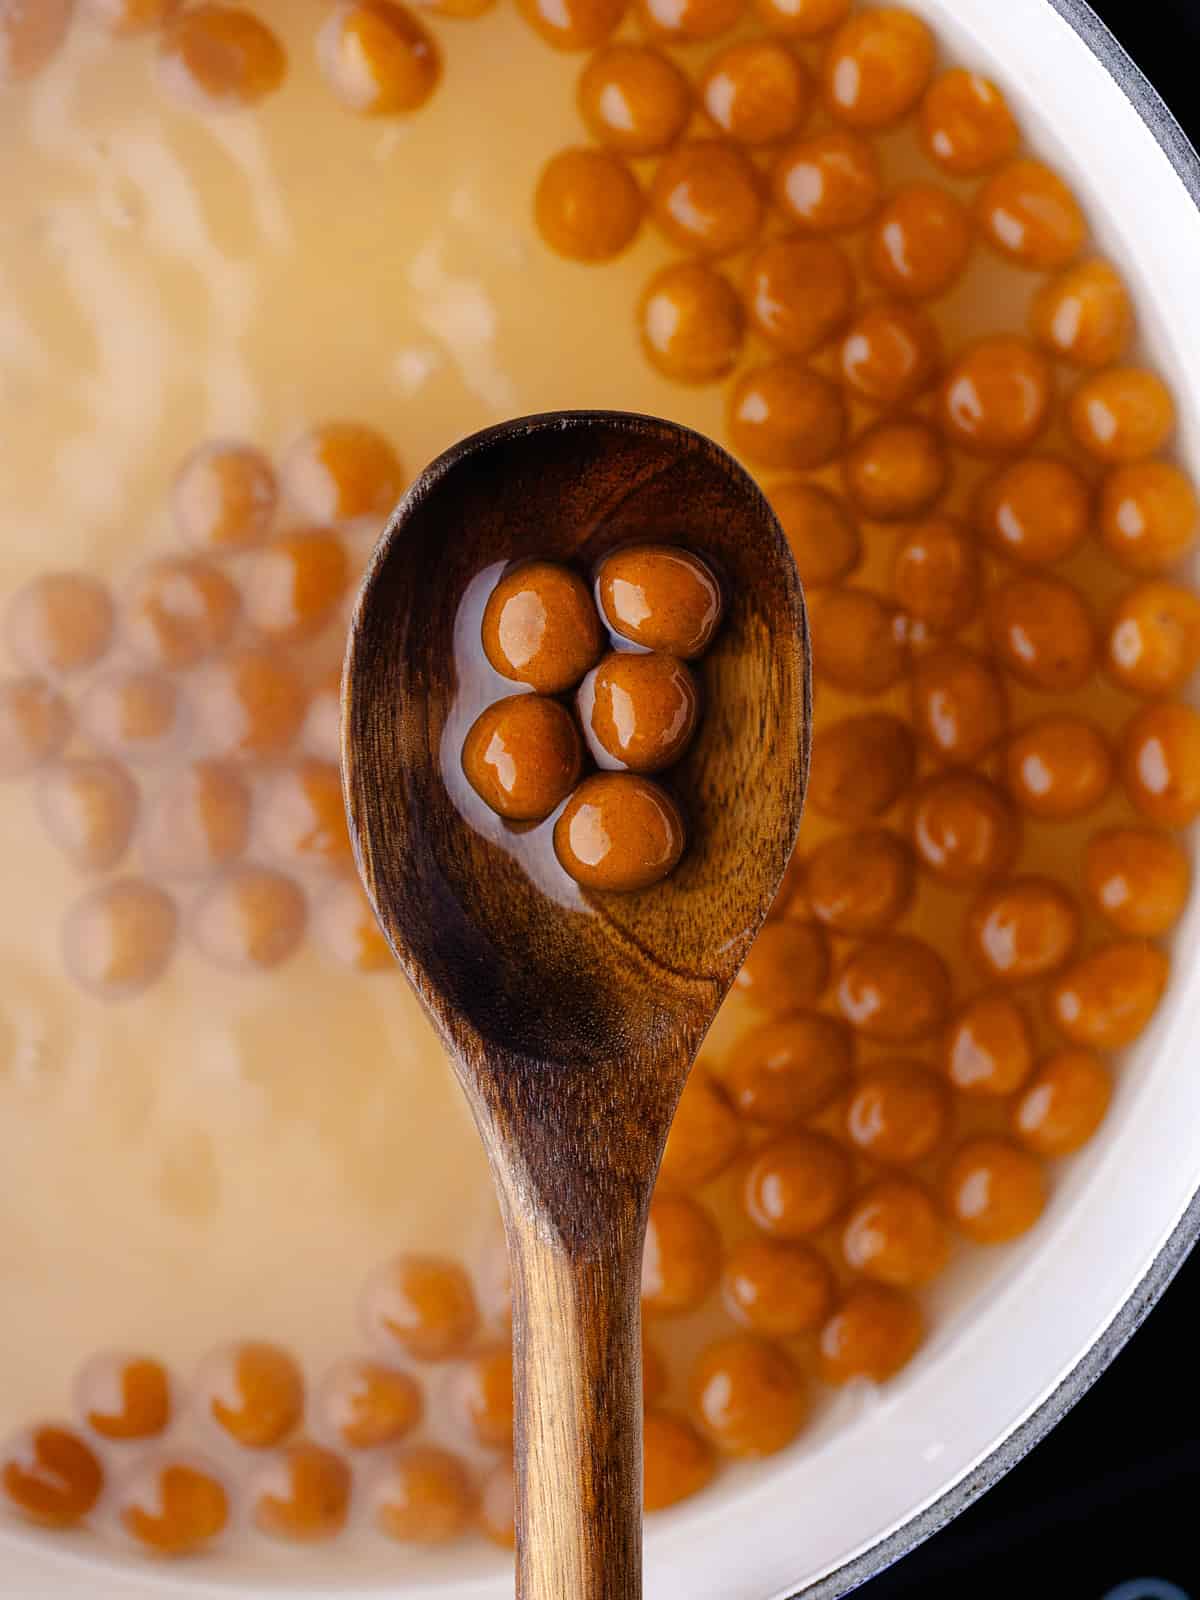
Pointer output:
x,y
872,1334
424,1497
691,323
989,1047
1058,768
522,756
89,808
365,1404
661,598
540,627
295,585
199,819
894,989
634,99
787,967
122,1397
250,703
1138,879
994,1191
705,1137
126,17
858,640
48,1475
1149,516
119,939
803,19
996,398
919,242
61,622
135,714
643,709
784,1071
220,58
224,496
1027,213
1037,510
483,1397
377,57
1042,632
1022,930
1160,763
1153,643
251,919
681,1259
706,197
756,92
830,183
35,723
253,1391
587,205
898,1113
301,1494
799,292
797,1184
424,1304
960,704
877,66
677,1462
686,20
349,931
573,24
748,1396
303,818
895,1235
891,351
178,611
31,36
896,469
1083,315
172,1505
776,1289
1063,1104
966,126
784,416
818,526
1121,415
1106,999
936,577
964,829
860,767
619,832
860,882
341,471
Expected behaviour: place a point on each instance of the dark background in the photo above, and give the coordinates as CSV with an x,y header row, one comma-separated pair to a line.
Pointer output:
x,y
1113,1494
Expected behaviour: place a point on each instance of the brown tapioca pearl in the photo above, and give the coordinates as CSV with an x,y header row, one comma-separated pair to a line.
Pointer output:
x,y
120,938
220,58
873,1333
920,242
250,703
691,322
858,641
179,611
685,20
224,496
895,989
129,16
860,882
644,708
1149,515
30,36
757,92
877,66
660,597
425,1496
682,1256
1160,763
254,1391
964,829
830,183
137,714
706,196
634,99
50,1476
936,575
522,756
1106,999
677,1462
249,920
377,57
619,832
787,967
1042,632
989,1047
61,622
295,585
588,205
993,1190
1153,643
898,1112
784,416
996,398
301,1494
802,18
894,1234
303,818
573,24
497,1506
892,350
797,1184
1139,879
1028,214
748,1395
820,530
172,1505
1058,768
540,627
350,932
124,1397
959,703
896,469
365,1404
483,1397
799,292
704,1137
1024,929
1064,1103
785,1071
966,125
1036,510
654,1373
340,471
198,820
1121,415
423,1303
34,725
860,767
776,1289
89,809
1083,315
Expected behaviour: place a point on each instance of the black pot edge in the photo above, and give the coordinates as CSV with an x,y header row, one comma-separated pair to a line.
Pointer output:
x,y
1185,160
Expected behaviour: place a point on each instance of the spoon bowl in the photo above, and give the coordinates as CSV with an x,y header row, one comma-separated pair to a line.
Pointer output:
x,y
572,1026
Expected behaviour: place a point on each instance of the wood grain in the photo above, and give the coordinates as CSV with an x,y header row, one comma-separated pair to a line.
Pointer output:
x,y
572,1033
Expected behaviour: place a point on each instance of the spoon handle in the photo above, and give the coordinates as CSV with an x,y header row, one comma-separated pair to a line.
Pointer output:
x,y
578,1391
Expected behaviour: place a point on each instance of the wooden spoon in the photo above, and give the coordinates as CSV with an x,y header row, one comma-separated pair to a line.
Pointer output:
x,y
572,1033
